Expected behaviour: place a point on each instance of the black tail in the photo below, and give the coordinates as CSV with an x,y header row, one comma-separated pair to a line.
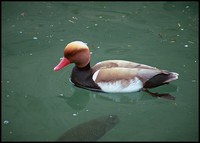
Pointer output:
x,y
158,80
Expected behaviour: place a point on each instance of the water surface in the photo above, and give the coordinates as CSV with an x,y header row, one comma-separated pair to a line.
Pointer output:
x,y
39,104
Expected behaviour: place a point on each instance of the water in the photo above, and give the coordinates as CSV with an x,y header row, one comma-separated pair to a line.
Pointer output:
x,y
39,104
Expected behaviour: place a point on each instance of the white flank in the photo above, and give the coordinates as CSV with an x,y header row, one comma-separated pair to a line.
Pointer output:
x,y
95,75
117,86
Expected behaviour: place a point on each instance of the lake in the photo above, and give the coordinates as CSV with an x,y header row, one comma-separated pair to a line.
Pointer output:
x,y
39,104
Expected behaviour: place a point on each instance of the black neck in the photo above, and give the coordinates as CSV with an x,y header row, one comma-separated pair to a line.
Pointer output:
x,y
83,77
87,67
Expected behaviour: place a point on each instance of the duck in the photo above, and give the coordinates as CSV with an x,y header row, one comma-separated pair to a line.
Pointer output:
x,y
111,76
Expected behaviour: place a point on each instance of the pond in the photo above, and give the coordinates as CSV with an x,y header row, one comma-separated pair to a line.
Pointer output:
x,y
39,104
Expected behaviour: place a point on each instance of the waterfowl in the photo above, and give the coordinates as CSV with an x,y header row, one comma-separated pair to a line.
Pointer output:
x,y
111,75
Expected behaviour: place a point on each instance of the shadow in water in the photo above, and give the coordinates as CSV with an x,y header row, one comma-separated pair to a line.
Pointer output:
x,y
91,130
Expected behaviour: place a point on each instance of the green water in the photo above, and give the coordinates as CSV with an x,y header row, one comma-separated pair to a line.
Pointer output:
x,y
39,104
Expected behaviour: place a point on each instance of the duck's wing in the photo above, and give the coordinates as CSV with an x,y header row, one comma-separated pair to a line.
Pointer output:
x,y
121,73
120,63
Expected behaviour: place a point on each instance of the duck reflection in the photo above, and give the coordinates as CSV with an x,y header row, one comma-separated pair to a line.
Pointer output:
x,y
131,98
79,98
164,91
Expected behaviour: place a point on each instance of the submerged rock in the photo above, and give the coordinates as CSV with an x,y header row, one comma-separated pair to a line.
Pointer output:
x,y
91,130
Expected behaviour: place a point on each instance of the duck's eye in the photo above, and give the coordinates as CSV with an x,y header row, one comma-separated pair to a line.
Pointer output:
x,y
70,54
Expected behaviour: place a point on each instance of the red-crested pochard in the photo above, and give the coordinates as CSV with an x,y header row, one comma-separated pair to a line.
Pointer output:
x,y
111,75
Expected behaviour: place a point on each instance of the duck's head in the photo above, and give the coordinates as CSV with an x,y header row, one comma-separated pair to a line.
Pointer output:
x,y
75,52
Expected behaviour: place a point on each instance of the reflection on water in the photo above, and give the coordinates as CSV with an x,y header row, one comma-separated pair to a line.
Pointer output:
x,y
79,97
78,100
